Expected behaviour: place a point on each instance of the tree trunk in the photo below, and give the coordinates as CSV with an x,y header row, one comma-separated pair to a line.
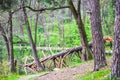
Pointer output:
x,y
1,57
87,53
115,75
36,25
10,40
46,37
33,46
6,41
97,36
84,10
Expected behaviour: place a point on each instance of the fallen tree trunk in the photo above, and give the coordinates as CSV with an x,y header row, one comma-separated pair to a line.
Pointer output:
x,y
58,55
63,53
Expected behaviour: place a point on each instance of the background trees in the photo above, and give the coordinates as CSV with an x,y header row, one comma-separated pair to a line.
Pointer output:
x,y
7,5
51,28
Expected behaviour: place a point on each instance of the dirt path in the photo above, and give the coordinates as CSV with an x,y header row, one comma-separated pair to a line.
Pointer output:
x,y
70,73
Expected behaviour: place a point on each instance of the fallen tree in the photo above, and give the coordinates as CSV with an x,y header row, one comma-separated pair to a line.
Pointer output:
x,y
58,59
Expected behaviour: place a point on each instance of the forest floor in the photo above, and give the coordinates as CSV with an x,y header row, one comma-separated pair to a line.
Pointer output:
x,y
68,73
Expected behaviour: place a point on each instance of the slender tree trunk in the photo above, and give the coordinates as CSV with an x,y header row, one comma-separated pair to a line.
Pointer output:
x,y
84,10
115,75
10,40
33,46
44,30
87,53
6,41
97,36
36,25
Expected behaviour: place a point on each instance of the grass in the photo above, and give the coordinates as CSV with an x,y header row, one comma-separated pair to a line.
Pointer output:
x,y
20,77
99,75
11,77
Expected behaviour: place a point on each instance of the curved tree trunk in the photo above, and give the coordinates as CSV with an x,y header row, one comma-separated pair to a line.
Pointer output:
x,y
97,36
115,75
87,53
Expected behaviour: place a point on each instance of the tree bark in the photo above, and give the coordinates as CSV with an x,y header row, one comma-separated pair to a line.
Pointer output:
x,y
115,75
10,40
97,36
33,46
87,53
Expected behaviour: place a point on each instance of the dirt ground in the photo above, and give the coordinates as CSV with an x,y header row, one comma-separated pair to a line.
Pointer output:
x,y
70,73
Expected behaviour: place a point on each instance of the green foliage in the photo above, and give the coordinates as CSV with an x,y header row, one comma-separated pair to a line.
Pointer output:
x,y
72,37
75,61
47,1
11,77
88,29
108,16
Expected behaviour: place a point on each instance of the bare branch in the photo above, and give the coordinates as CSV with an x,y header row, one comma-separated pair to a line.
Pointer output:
x,y
41,10
44,9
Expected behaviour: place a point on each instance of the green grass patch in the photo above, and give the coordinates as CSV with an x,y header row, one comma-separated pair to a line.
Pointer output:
x,y
98,75
11,77
20,77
